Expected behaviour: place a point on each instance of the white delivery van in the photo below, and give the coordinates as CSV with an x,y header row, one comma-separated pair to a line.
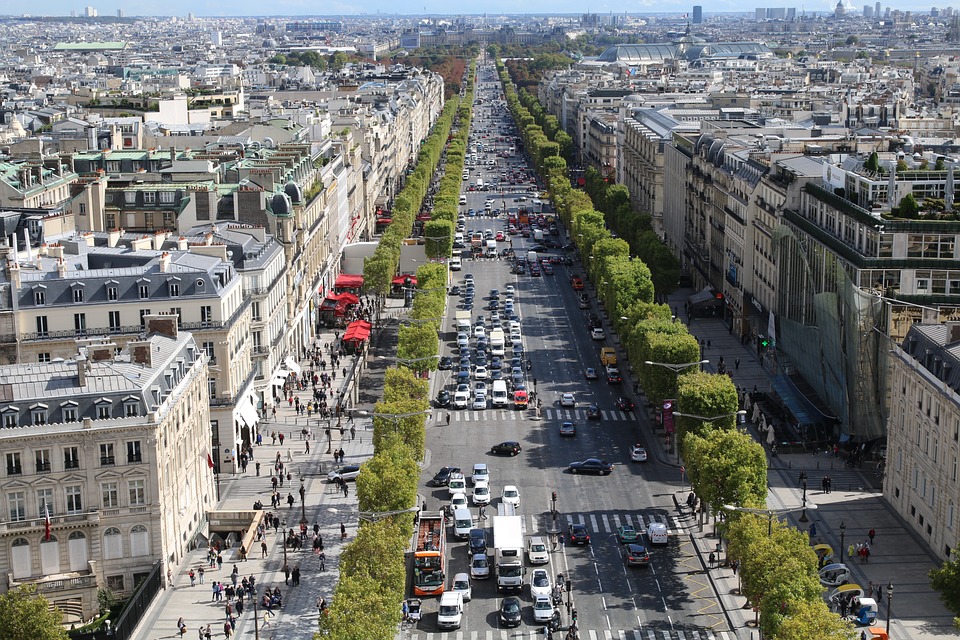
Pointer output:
x,y
455,263
497,342
479,183
500,398
532,257
462,523
657,533
451,610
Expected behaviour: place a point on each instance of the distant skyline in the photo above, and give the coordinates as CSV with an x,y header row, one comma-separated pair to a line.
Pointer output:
x,y
249,8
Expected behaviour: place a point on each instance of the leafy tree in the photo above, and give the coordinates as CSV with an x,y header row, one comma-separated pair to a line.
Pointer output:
x,y
417,344
382,540
404,418
909,207
668,343
873,163
361,609
707,395
945,580
439,238
26,616
805,619
401,384
726,466
384,481
940,165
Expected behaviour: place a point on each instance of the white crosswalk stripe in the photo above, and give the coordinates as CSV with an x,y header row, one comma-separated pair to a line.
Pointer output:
x,y
585,634
581,414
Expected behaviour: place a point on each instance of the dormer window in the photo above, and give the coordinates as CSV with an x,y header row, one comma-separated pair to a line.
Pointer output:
x,y
149,197
38,414
77,289
40,295
143,288
173,286
104,409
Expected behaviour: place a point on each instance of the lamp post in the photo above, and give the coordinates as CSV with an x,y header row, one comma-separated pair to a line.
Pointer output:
x,y
843,533
889,605
803,515
765,512
283,526
707,419
374,516
303,503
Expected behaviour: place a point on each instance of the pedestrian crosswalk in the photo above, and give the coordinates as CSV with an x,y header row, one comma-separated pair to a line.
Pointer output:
x,y
511,415
539,523
585,634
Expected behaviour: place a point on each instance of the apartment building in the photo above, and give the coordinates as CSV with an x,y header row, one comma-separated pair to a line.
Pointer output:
x,y
923,434
106,469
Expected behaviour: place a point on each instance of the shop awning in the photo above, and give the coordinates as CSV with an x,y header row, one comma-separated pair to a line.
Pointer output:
x,y
403,279
801,408
357,331
291,365
247,412
279,378
348,281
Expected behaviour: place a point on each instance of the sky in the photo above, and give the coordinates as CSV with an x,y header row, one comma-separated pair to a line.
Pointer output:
x,y
219,8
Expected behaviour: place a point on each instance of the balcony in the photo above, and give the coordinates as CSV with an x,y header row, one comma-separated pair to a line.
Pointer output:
x,y
134,459
108,461
15,471
43,467
91,517
62,582
71,464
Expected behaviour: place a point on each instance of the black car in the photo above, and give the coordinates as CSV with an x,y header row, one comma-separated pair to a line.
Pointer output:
x,y
478,542
510,612
624,404
578,534
443,398
593,412
446,362
508,448
442,478
591,465
455,290
494,305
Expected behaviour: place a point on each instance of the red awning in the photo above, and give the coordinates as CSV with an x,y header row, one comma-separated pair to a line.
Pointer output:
x,y
403,279
357,331
348,281
339,302
384,220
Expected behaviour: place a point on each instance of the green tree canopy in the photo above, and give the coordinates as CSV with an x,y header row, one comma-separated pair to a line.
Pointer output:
x,y
26,616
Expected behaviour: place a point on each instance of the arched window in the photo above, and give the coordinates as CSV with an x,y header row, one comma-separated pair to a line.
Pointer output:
x,y
139,541
20,558
112,544
78,551
49,555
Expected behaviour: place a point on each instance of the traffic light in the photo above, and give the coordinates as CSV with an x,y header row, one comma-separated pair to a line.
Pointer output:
x,y
573,616
570,587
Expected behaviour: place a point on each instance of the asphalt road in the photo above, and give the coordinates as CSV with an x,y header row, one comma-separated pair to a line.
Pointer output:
x,y
660,600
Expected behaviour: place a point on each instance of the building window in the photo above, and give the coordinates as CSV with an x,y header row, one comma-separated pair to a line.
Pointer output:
x,y
103,411
14,468
130,197
208,349
17,506
83,208
42,329
255,311
80,323
168,197
143,313
74,499
206,313
131,409
138,492
174,290
133,451
144,291
115,583
112,293
45,501
43,356
39,297
113,317
168,219
177,311
69,414
71,458
149,197
78,294
42,457
112,544
107,458
38,415
212,387
110,220
109,495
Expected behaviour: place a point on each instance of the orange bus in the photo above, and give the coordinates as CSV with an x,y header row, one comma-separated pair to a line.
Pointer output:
x,y
429,554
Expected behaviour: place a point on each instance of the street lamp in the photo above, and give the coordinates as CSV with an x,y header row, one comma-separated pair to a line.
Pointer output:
x,y
303,503
889,605
283,526
374,516
764,512
803,515
843,533
706,419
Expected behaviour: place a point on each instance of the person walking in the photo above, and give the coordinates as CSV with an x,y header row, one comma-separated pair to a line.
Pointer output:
x,y
227,629
323,560
263,549
870,534
200,571
343,531
286,576
346,490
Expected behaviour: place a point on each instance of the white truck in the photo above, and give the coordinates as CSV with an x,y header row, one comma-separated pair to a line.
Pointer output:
x,y
508,552
491,248
538,234
497,342
463,321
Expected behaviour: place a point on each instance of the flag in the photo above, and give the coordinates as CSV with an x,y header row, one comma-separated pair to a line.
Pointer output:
x,y
209,461
46,522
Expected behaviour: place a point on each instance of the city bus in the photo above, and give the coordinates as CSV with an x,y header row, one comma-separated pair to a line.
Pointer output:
x,y
429,555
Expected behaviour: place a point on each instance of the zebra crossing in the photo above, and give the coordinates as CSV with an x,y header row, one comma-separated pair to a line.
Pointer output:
x,y
598,523
585,634
511,415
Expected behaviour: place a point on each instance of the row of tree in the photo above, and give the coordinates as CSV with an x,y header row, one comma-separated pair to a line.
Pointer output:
x,y
366,604
726,466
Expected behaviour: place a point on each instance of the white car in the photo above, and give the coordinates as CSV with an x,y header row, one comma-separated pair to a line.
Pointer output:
x,y
568,400
510,495
481,494
537,551
542,609
540,584
638,454
481,373
480,566
597,333
461,585
480,473
479,402
458,501
461,399
510,289
479,332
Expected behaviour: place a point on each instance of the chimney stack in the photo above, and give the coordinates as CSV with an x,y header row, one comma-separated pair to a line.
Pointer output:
x,y
81,370
164,262
140,353
62,268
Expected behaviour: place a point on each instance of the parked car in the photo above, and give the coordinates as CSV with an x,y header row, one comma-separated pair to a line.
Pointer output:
x,y
347,473
508,448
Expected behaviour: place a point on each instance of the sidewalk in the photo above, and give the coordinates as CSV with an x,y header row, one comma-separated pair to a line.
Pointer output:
x,y
898,556
298,617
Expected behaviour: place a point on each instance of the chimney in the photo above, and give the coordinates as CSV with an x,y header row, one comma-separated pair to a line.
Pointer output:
x,y
164,262
182,243
62,268
140,353
158,239
173,154
14,268
113,237
164,323
101,352
953,332
81,370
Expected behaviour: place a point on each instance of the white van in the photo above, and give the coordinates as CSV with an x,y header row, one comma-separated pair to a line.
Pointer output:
x,y
463,199
657,533
457,484
451,610
455,263
462,523
500,398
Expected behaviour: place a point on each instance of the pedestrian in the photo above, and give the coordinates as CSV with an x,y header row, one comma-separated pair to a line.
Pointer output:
x,y
243,554
193,577
258,468
219,561
308,446
871,534
866,553
207,633
290,500
713,558
448,419
280,437
353,432
263,549
343,531
240,605
200,573
227,629
228,610
879,591
322,557
286,576
346,490
736,364
843,608
296,576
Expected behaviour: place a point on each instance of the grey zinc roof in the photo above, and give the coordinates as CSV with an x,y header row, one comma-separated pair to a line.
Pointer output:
x,y
928,345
